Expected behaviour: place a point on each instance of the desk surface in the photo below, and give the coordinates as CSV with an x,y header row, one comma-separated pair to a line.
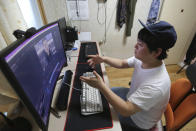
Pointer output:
x,y
57,124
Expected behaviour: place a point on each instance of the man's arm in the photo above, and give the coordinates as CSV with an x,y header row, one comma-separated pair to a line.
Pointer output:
x,y
125,108
114,62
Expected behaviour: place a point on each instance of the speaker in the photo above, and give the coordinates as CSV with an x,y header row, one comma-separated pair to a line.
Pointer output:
x,y
71,34
62,98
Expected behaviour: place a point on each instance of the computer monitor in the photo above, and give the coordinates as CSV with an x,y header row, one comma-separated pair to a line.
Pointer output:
x,y
32,66
62,28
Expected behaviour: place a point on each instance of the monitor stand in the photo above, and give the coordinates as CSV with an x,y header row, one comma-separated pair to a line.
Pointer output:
x,y
55,113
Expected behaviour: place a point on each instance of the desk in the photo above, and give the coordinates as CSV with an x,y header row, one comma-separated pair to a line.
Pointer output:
x,y
57,124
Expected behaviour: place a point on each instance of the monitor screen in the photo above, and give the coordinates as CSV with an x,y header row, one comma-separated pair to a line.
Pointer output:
x,y
34,67
62,28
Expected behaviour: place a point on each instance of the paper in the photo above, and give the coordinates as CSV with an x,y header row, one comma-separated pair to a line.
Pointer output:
x,y
78,9
76,44
84,36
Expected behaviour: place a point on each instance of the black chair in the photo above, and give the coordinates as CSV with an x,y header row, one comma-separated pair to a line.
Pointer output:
x,y
190,54
191,74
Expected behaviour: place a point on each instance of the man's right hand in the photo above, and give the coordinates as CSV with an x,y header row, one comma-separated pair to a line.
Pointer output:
x,y
94,59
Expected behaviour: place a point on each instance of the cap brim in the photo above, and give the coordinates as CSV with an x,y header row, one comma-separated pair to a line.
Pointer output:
x,y
146,27
142,23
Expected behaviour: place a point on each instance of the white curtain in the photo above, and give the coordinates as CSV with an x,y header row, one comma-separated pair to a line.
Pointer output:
x,y
2,42
11,19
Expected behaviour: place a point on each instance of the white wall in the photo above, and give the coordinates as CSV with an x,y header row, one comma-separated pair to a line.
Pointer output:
x,y
184,23
115,45
120,47
54,9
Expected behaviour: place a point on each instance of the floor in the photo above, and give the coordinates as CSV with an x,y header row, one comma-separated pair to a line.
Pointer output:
x,y
121,78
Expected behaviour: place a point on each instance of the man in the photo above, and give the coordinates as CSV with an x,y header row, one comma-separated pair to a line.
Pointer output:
x,y
140,106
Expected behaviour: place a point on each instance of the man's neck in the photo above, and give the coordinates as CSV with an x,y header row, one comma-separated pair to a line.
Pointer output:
x,y
151,64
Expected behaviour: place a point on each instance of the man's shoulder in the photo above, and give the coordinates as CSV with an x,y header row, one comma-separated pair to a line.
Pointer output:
x,y
133,60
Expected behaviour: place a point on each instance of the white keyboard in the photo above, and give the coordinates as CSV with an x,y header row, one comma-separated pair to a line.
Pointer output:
x,y
90,99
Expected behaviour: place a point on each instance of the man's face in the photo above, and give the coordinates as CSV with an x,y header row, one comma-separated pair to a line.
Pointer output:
x,y
141,51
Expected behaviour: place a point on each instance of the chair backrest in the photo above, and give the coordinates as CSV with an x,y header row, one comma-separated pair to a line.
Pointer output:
x,y
169,117
191,74
179,90
185,112
182,105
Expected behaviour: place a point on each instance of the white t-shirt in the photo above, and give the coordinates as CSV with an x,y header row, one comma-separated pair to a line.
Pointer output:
x,y
149,90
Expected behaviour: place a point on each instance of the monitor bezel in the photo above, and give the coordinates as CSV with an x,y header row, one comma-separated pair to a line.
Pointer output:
x,y
16,85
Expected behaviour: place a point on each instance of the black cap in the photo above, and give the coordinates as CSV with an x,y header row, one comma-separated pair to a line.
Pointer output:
x,y
164,33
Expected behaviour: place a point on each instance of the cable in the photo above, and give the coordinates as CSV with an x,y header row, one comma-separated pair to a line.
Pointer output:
x,y
77,8
80,21
112,16
107,27
105,20
68,21
98,7
105,5
72,87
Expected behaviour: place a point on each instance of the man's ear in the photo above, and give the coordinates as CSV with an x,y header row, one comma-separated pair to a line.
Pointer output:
x,y
157,52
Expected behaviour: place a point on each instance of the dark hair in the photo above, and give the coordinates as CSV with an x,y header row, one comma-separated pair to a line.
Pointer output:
x,y
151,42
